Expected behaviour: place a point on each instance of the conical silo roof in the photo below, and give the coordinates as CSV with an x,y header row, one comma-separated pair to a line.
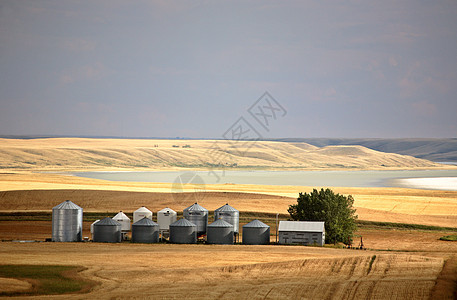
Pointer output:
x,y
107,222
183,223
195,207
67,204
166,210
143,209
220,223
145,222
226,207
256,224
121,216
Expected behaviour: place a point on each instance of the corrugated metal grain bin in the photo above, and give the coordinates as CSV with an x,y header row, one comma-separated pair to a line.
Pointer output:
x,y
140,213
165,217
107,231
220,232
67,222
197,215
183,232
256,233
145,231
229,215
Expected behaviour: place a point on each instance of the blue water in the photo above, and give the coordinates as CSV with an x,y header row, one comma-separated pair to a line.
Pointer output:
x,y
295,178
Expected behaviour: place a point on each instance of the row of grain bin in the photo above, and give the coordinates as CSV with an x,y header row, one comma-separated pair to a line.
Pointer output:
x,y
67,226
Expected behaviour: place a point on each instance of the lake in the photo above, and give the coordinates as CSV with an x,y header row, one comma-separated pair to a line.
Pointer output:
x,y
430,179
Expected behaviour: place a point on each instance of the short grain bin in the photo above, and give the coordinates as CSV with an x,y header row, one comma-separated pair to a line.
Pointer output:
x,y
67,222
198,215
107,231
145,231
229,215
124,220
256,233
165,217
140,213
220,232
183,232
92,228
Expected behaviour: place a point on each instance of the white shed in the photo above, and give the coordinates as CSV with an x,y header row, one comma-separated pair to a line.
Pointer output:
x,y
302,232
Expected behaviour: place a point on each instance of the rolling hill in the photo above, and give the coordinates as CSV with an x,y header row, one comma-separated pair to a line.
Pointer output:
x,y
104,154
439,150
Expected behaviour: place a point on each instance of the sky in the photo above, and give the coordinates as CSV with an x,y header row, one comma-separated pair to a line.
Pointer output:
x,y
200,69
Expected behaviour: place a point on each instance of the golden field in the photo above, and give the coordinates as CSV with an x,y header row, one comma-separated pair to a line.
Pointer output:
x,y
113,154
416,266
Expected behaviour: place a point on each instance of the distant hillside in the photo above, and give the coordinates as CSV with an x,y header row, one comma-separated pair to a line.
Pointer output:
x,y
439,150
111,154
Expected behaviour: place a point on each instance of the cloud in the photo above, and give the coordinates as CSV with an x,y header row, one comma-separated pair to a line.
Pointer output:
x,y
93,72
78,45
424,108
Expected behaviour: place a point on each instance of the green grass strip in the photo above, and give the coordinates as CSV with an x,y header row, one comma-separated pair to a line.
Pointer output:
x,y
45,279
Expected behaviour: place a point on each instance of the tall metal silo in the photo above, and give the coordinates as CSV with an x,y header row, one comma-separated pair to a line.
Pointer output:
x,y
220,232
145,231
183,232
229,215
140,213
67,222
165,217
107,231
256,233
198,215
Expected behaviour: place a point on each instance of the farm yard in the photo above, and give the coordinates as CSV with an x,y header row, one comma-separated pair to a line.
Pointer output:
x,y
401,230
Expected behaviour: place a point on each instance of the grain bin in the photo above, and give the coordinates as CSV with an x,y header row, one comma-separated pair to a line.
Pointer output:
x,y
92,228
124,220
107,231
140,213
145,231
165,217
183,232
220,232
229,215
197,215
256,233
67,222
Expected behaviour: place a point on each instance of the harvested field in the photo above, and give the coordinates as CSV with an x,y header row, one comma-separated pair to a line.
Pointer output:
x,y
259,272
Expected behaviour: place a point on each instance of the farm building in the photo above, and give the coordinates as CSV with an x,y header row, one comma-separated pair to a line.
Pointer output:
x,y
301,232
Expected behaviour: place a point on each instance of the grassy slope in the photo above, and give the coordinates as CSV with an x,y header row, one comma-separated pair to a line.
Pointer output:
x,y
432,149
83,154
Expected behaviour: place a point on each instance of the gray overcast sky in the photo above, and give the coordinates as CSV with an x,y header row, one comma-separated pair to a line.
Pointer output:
x,y
192,68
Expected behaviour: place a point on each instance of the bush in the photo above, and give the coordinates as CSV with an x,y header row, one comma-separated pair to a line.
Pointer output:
x,y
334,209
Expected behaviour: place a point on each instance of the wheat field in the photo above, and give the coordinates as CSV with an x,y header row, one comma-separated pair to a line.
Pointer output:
x,y
416,265
237,272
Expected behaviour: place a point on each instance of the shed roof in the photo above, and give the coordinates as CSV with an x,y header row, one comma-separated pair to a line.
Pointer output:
x,y
306,226
256,224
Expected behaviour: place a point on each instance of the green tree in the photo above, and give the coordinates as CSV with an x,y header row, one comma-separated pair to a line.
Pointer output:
x,y
334,209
